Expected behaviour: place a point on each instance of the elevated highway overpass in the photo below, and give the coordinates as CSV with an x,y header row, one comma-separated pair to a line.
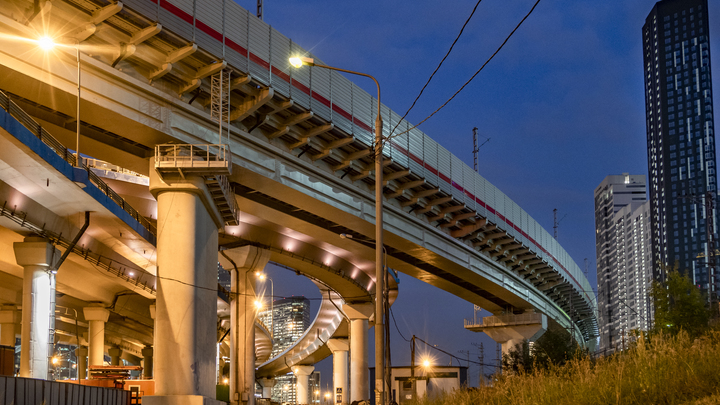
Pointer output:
x,y
302,153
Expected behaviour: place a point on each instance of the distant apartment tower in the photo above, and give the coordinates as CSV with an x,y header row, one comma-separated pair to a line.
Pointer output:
x,y
612,195
680,134
633,252
288,321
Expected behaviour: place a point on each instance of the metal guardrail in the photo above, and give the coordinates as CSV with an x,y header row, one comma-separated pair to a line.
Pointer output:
x,y
142,280
36,129
193,156
505,320
103,165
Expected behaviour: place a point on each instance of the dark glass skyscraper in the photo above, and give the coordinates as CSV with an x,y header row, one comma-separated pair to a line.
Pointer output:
x,y
680,134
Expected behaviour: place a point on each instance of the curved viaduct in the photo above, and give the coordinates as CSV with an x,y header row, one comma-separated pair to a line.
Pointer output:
x,y
301,143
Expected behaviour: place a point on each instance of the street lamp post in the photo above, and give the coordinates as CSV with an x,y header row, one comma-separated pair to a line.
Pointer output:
x,y
47,44
380,389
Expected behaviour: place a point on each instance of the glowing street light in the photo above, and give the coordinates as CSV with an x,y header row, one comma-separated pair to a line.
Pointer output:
x,y
262,277
380,299
48,44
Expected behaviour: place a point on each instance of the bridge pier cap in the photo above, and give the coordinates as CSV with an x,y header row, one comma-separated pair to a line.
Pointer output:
x,y
510,330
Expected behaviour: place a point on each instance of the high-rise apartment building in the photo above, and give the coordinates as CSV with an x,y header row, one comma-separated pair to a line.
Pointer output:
x,y
613,195
633,252
680,134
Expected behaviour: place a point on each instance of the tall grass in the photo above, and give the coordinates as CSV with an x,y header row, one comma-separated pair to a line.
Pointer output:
x,y
657,370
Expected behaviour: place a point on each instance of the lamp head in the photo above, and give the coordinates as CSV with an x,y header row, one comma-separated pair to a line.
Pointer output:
x,y
46,43
298,61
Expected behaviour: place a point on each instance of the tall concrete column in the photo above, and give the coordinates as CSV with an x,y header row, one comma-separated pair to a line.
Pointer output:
x,y
147,354
81,354
35,255
96,317
115,354
359,315
267,386
302,386
186,304
9,318
339,348
242,263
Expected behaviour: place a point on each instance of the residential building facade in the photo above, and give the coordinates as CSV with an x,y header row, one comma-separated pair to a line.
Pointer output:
x,y
680,135
614,193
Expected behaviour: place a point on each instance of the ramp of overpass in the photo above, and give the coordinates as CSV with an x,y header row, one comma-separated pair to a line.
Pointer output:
x,y
301,140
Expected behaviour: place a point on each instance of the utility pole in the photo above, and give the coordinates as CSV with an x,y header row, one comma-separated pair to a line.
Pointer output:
x,y
586,267
556,223
481,360
475,149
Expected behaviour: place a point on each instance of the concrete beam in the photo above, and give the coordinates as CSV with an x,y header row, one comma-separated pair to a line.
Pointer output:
x,y
420,194
431,203
209,70
350,158
329,147
181,53
305,138
145,34
443,212
251,104
106,12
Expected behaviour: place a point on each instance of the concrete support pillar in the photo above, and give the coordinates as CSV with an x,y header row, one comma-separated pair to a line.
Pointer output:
x,y
186,304
509,345
359,315
9,318
38,306
242,263
302,386
340,348
512,329
81,354
267,386
96,317
147,354
115,354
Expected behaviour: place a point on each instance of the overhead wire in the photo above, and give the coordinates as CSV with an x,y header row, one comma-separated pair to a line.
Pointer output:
x,y
469,80
438,66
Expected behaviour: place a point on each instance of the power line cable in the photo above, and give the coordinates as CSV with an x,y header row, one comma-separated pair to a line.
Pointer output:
x,y
438,66
471,78
396,326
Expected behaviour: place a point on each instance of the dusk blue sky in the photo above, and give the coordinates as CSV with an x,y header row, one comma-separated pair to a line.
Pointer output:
x,y
563,104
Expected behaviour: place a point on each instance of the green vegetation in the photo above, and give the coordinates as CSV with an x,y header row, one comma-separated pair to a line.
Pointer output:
x,y
660,369
679,305
676,363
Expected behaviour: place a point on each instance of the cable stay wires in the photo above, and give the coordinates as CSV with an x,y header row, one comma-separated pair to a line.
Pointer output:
x,y
392,135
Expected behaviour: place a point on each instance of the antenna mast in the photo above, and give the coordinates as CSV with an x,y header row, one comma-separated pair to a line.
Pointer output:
x,y
260,9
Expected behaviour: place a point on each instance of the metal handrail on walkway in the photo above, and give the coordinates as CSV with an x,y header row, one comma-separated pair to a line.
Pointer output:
x,y
193,156
505,320
36,129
